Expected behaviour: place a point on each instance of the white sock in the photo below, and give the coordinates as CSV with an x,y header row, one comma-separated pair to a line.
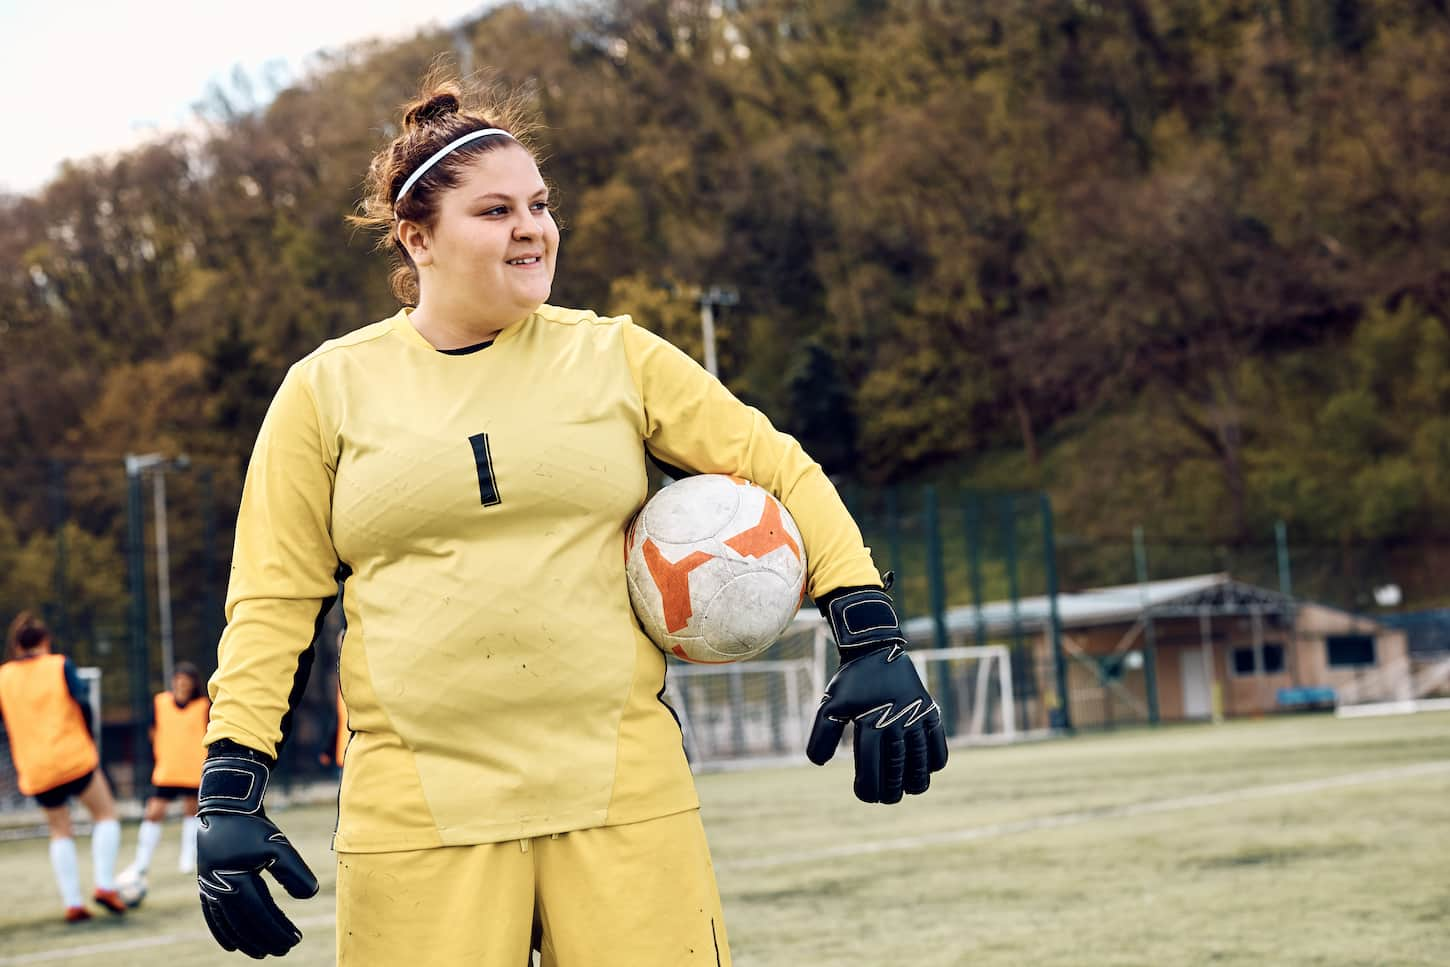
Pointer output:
x,y
67,876
146,842
189,826
105,844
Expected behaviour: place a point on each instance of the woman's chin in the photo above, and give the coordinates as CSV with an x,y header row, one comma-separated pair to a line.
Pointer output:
x,y
532,298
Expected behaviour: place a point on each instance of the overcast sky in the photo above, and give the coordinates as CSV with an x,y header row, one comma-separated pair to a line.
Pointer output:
x,y
78,77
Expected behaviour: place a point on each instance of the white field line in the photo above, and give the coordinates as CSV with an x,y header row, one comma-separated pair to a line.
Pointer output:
x,y
140,943
1080,817
1406,707
944,838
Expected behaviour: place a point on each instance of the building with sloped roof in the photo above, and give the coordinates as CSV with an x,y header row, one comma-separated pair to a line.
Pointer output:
x,y
1193,648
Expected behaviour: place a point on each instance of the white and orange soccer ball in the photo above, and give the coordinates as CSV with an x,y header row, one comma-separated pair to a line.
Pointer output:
x,y
716,569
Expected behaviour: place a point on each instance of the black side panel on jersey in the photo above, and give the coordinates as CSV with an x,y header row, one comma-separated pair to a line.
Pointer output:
x,y
343,573
306,658
668,469
660,695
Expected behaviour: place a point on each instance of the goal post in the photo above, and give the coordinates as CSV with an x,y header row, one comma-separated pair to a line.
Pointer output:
x,y
90,677
760,711
978,683
744,712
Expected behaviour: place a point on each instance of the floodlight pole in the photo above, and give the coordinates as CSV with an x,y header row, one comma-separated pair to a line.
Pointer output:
x,y
707,328
163,573
1059,660
157,465
709,299
1150,641
139,652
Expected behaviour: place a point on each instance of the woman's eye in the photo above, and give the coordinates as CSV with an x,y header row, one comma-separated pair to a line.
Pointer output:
x,y
541,206
495,211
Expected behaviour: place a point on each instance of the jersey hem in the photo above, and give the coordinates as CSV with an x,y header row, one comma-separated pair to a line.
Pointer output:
x,y
508,832
70,776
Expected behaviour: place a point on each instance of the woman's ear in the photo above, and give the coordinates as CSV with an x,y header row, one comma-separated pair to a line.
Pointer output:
x,y
415,241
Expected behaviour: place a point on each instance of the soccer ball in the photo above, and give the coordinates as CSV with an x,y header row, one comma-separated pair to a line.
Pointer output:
x,y
131,887
716,569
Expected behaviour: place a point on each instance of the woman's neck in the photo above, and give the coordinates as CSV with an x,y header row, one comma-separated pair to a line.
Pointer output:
x,y
454,327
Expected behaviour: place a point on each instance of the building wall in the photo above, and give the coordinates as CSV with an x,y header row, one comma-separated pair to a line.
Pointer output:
x,y
1170,659
1178,640
1388,678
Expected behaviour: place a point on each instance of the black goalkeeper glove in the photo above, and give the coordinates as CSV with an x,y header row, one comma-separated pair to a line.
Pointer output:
x,y
898,736
235,842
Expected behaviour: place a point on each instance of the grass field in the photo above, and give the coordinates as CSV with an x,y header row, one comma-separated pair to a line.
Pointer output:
x,y
1291,841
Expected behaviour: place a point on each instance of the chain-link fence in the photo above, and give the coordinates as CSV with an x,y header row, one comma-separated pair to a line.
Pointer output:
x,y
973,568
126,560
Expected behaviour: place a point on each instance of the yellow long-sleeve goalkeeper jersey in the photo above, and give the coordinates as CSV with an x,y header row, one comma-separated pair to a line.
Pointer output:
x,y
496,680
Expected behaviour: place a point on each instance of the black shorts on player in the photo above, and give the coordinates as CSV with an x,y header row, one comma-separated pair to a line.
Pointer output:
x,y
61,794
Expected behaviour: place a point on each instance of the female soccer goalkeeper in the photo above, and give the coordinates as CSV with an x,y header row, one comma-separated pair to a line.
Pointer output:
x,y
463,473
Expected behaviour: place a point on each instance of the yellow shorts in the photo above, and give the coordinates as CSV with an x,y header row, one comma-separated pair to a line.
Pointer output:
x,y
639,895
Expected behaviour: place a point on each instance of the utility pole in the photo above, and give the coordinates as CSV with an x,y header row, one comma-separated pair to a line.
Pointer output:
x,y
156,465
709,299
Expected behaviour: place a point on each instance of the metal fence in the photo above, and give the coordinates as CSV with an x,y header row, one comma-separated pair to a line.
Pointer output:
x,y
126,559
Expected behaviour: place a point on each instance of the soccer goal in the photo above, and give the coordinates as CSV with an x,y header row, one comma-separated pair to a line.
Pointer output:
x,y
973,686
760,711
744,712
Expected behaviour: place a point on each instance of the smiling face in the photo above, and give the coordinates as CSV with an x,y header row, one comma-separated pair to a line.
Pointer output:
x,y
487,260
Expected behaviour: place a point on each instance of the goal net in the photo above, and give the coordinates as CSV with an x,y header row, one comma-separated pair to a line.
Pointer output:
x,y
754,712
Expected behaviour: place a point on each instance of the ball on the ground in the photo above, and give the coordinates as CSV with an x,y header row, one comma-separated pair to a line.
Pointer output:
x,y
131,887
716,569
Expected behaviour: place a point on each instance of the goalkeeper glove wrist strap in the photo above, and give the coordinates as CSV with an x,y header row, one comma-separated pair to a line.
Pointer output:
x,y
233,780
862,619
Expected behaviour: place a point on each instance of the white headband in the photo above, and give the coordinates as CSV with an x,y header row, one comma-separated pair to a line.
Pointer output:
x,y
442,153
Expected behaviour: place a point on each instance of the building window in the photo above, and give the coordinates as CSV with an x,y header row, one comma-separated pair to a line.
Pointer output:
x,y
1273,659
1348,651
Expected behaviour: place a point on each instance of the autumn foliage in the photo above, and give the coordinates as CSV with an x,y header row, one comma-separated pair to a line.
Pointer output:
x,y
1183,262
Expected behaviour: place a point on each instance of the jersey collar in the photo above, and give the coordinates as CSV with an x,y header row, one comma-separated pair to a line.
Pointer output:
x,y
404,327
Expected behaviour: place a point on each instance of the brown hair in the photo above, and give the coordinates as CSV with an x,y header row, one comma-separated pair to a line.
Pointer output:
x,y
192,672
445,109
26,632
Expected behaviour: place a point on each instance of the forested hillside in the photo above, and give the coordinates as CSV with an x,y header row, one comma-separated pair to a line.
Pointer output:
x,y
1182,263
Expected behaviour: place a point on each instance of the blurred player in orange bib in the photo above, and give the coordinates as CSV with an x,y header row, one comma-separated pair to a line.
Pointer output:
x,y
463,474
178,731
48,719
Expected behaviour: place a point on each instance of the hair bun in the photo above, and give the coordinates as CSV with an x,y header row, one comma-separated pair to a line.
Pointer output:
x,y
435,106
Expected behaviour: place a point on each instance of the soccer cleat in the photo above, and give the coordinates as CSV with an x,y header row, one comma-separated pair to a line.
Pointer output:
x,y
110,900
76,914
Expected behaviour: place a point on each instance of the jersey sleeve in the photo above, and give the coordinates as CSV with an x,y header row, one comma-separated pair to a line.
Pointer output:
x,y
73,683
77,689
284,573
692,421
